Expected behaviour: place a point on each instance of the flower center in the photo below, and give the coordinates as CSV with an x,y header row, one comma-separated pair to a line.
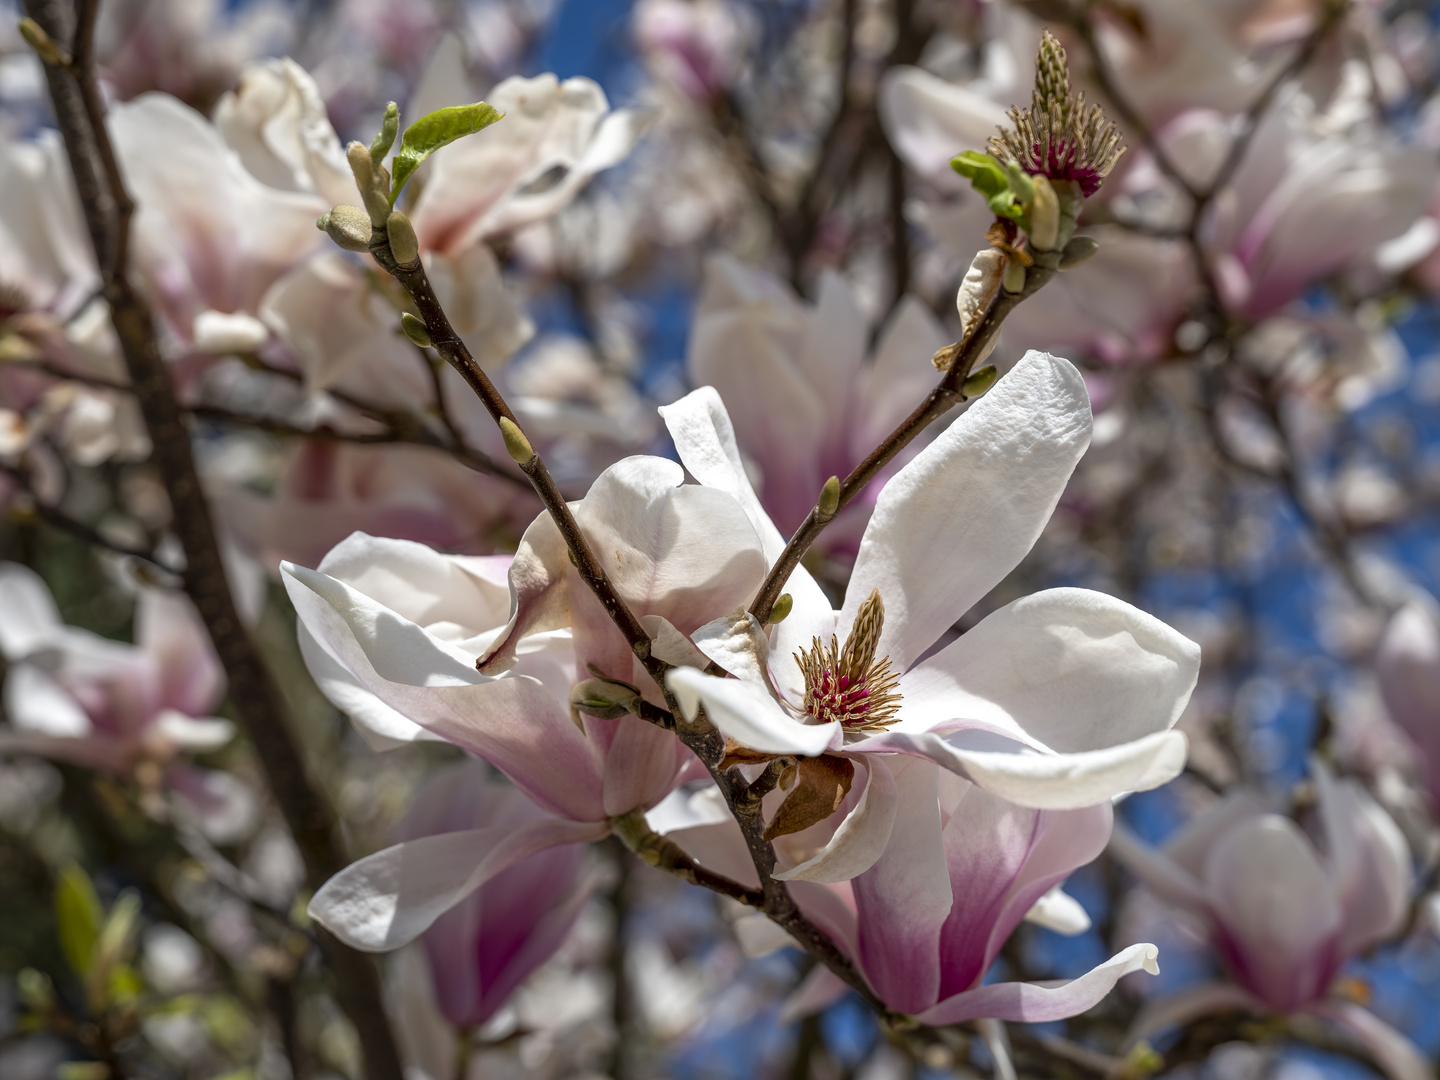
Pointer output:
x,y
849,684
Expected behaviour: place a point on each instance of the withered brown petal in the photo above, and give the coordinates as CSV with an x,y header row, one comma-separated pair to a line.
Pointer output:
x,y
736,754
821,785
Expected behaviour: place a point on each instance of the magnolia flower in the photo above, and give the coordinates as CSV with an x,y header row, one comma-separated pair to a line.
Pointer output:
x,y
483,948
1407,667
391,630
74,696
925,923
1284,915
694,47
806,404
1057,701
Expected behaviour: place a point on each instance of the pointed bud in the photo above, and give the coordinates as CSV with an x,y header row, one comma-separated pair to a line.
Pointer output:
x,y
1014,279
367,179
829,498
602,698
404,244
43,44
783,603
1044,215
389,128
415,329
1077,251
348,226
516,444
977,382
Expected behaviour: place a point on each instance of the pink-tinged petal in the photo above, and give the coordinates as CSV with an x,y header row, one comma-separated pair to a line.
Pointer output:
x,y
514,722
1407,667
1067,670
1037,780
817,992
1057,910
745,712
860,839
1397,1056
1369,861
222,806
705,440
168,628
929,120
831,352
902,901
393,896
988,485
30,618
539,592
379,725
1190,848
642,762
1190,1005
1278,910
1039,1002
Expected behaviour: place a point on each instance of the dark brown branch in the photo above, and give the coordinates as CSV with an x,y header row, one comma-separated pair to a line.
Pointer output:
x,y
664,854
253,694
946,395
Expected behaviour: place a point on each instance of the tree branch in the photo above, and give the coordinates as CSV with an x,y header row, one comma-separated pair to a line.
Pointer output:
x,y
256,699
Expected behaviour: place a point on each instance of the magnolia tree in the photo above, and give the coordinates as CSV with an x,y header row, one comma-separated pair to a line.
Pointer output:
x,y
413,667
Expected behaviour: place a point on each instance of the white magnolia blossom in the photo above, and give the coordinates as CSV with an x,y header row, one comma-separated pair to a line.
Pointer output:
x,y
1059,700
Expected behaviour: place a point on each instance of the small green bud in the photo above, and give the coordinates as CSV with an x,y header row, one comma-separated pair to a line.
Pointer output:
x,y
977,382
348,226
43,44
602,698
782,607
404,244
1020,183
1044,228
1077,251
367,179
1013,280
516,444
415,329
829,498
389,128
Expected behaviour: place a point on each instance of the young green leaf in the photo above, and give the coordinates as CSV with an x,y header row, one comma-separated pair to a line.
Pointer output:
x,y
989,178
431,132
79,915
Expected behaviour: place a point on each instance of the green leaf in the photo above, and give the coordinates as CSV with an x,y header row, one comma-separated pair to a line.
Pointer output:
x,y
431,132
989,178
79,915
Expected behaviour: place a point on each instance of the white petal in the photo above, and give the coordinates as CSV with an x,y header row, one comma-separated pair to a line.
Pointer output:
x,y
745,712
758,936
987,485
737,643
1397,1056
1189,1005
198,735
1065,669
668,644
37,704
28,615
382,727
391,897
1060,912
218,332
1045,781
929,120
862,836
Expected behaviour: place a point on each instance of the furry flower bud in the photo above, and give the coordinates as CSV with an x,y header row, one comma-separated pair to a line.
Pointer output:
x,y
404,244
348,226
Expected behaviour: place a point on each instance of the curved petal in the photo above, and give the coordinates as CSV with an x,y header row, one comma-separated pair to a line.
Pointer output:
x,y
817,991
379,725
393,896
929,120
642,762
1397,1056
1043,781
1067,670
860,839
1057,910
30,616
988,485
745,711
1407,667
1038,1002
539,592
903,900
1161,874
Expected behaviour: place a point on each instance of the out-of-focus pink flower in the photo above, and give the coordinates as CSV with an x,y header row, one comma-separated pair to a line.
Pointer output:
x,y
483,948
805,402
74,696
692,46
1284,915
1407,667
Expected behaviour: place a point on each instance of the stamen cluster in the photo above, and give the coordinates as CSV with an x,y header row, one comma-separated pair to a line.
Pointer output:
x,y
1058,135
849,684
